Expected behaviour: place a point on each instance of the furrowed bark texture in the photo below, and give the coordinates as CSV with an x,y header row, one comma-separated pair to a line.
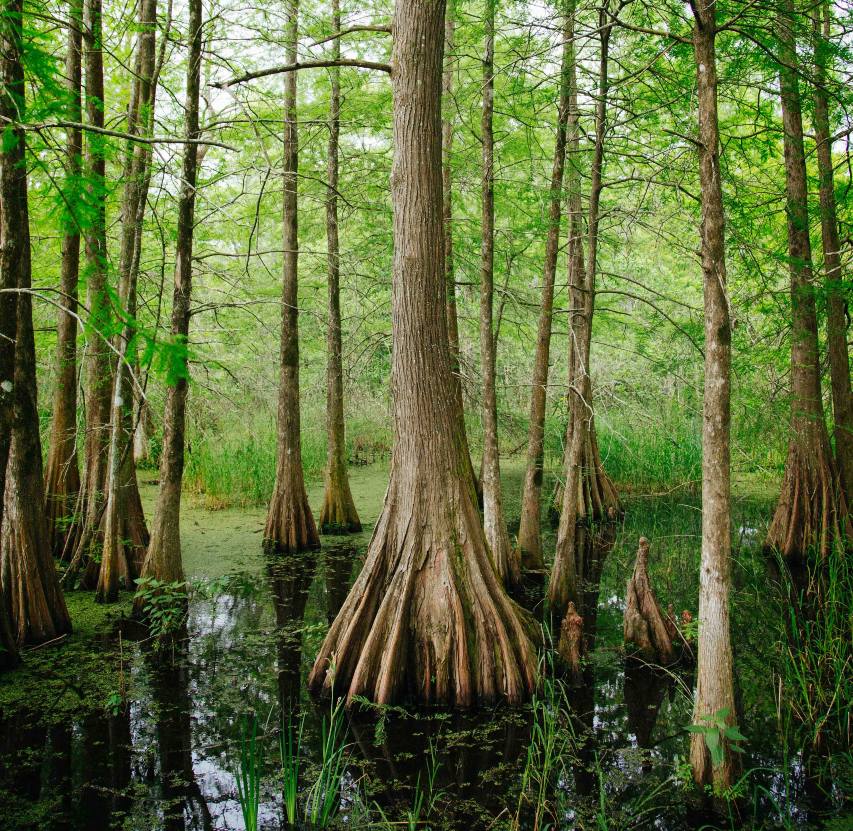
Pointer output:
x,y
29,580
529,535
290,523
124,531
163,560
590,504
836,304
11,260
338,514
88,510
447,201
715,684
62,473
427,618
506,559
811,514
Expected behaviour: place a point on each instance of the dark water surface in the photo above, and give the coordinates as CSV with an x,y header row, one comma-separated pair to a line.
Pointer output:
x,y
166,758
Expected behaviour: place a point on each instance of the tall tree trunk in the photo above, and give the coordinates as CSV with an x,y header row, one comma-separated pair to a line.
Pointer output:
x,y
447,201
124,532
589,500
163,560
715,686
836,322
427,617
62,474
11,256
811,514
505,558
529,535
98,388
29,580
338,514
290,523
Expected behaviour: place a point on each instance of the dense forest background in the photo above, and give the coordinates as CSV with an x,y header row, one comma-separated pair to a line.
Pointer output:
x,y
647,360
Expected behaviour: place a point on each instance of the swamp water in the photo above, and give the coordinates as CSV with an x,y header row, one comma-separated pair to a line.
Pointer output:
x,y
105,732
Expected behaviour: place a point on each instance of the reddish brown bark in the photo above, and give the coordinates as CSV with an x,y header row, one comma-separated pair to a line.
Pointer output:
x,y
529,536
290,523
590,504
570,647
163,560
506,560
11,254
447,202
338,514
427,617
811,514
29,581
836,305
62,474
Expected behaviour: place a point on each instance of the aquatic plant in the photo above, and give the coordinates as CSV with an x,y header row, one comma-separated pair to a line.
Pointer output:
x,y
163,605
323,799
290,748
249,771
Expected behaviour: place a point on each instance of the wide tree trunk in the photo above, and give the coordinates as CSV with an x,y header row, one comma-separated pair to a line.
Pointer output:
x,y
811,514
715,685
505,558
88,510
590,504
163,560
11,255
290,523
836,303
447,201
62,474
124,532
338,514
529,534
29,580
427,617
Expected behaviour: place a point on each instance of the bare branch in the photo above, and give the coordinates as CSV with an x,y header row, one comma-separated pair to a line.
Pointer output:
x,y
350,29
295,67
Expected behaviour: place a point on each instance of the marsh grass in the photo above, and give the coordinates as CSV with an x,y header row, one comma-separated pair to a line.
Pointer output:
x,y
249,771
290,750
324,796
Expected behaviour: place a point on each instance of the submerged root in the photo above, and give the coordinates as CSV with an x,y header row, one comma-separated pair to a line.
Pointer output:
x,y
427,619
645,626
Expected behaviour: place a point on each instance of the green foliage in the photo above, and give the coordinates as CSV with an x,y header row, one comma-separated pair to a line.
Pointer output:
x,y
324,796
290,749
249,771
718,734
164,605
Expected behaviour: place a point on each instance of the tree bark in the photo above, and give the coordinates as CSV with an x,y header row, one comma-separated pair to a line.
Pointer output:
x,y
447,201
427,617
62,474
836,318
590,504
715,684
529,535
29,580
124,531
11,257
644,624
98,386
290,523
163,560
338,514
504,557
811,514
